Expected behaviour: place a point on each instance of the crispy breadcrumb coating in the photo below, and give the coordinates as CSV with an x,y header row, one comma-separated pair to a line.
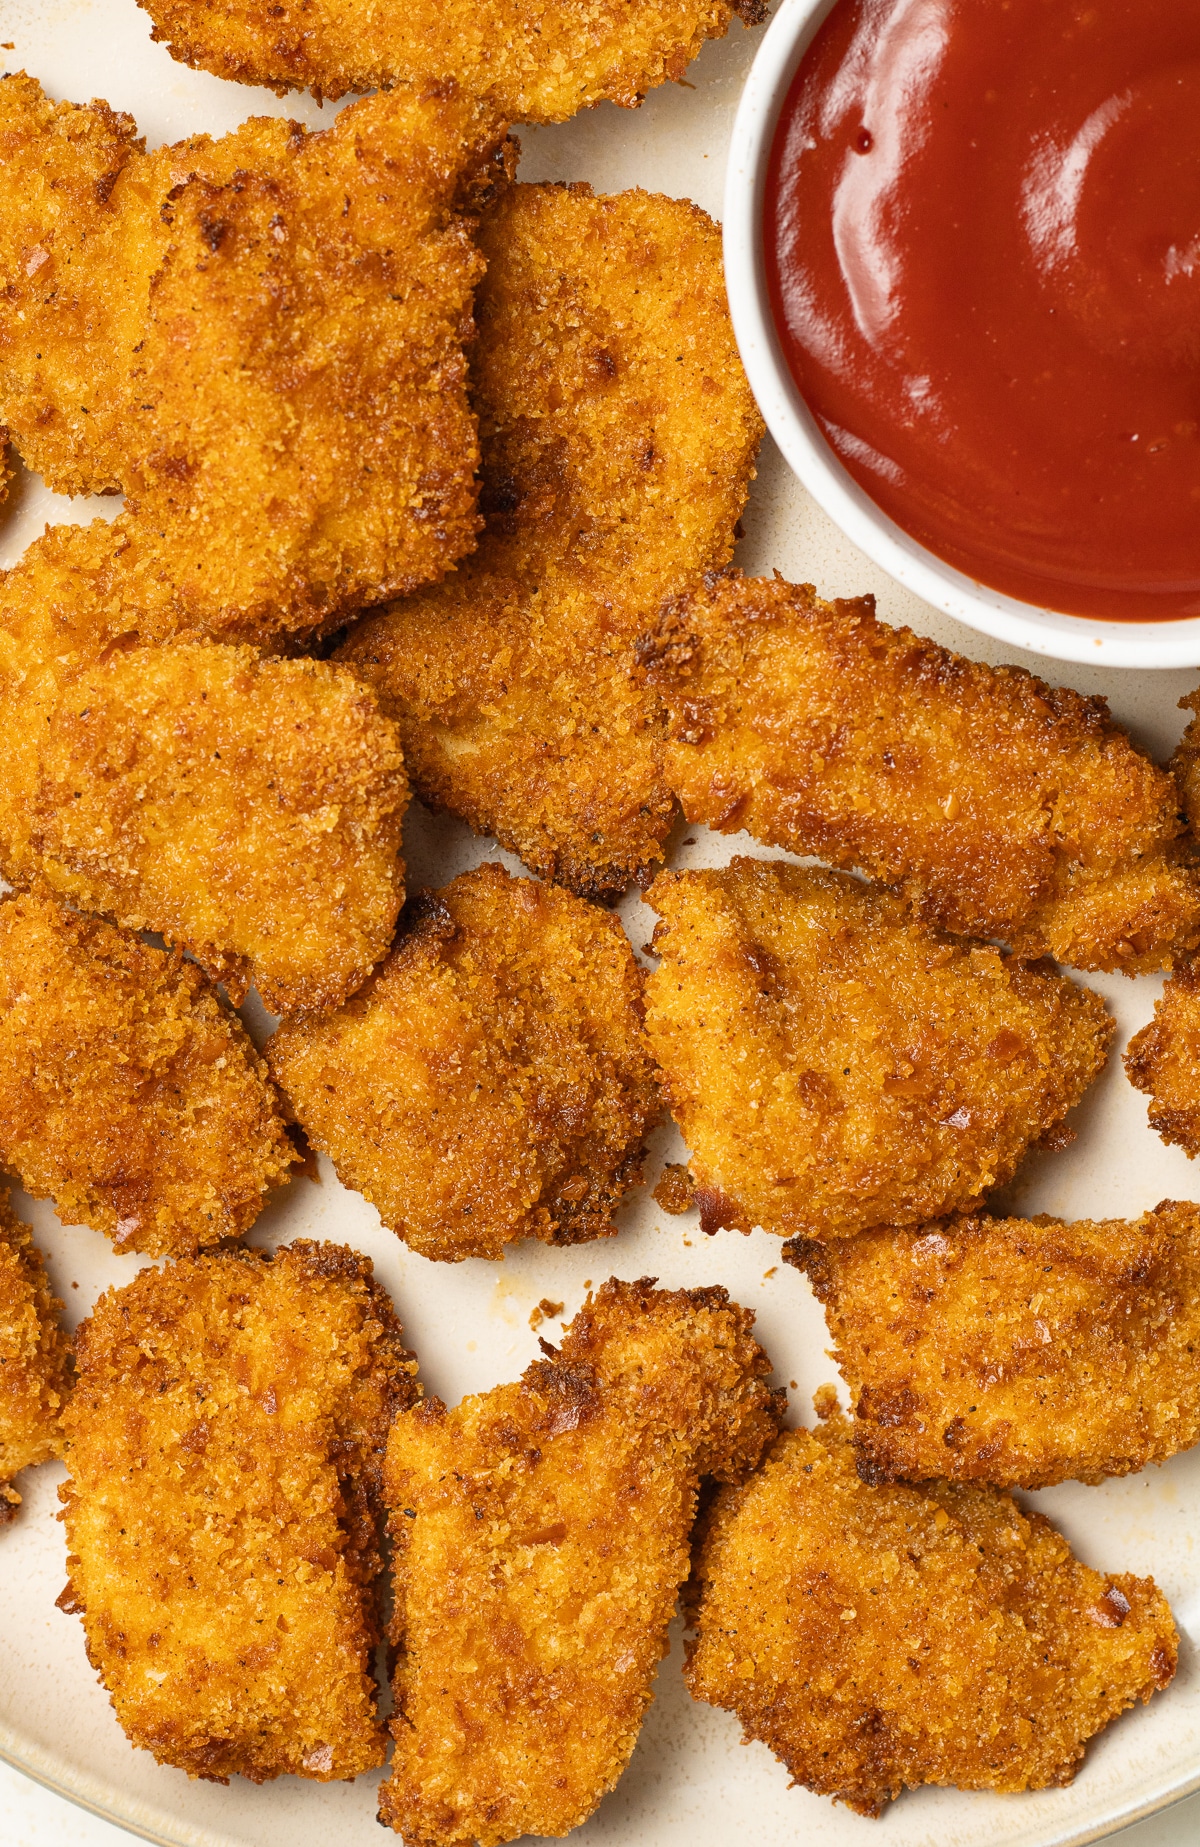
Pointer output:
x,y
249,809
68,320
618,436
834,1065
541,1535
1000,806
879,1638
259,339
1022,1352
35,1359
225,1447
129,1095
491,1081
1164,1059
535,62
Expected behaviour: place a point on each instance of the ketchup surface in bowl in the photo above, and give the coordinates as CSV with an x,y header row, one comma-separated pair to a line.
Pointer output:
x,y
983,250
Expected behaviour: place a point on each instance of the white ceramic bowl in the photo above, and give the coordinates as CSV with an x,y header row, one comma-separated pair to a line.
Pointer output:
x,y
791,423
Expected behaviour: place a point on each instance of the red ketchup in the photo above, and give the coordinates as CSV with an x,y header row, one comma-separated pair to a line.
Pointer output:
x,y
983,248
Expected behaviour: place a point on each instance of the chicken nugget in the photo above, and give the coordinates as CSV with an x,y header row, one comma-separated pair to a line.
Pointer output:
x,y
68,322
128,1094
534,62
541,1535
35,1359
247,808
491,1081
879,1638
835,1065
225,1447
999,805
1021,1352
1164,1059
618,436
259,339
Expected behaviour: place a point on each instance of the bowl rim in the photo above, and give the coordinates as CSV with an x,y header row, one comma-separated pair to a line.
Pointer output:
x,y
1041,631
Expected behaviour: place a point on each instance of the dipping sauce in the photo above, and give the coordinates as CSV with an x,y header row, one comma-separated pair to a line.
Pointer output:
x,y
983,247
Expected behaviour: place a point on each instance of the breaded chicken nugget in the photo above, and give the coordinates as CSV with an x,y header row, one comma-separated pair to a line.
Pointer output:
x,y
68,323
225,1447
35,1359
128,1094
1022,1352
541,1536
491,1081
999,805
834,1065
249,809
878,1638
618,437
259,339
1164,1059
536,62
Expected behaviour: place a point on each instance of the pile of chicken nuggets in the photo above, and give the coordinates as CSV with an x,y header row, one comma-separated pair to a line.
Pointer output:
x,y
432,482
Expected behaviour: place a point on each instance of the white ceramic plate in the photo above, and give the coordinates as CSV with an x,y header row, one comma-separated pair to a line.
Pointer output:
x,y
690,1783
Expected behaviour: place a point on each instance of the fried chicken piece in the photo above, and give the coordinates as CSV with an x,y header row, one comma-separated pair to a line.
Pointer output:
x,y
1000,806
541,1535
1164,1059
835,1065
1022,1352
618,436
249,809
879,1638
225,1443
535,62
259,339
491,1082
128,1094
69,318
35,1359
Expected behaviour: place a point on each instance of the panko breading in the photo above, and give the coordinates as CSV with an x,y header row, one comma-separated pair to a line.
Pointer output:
x,y
534,61
541,1536
834,1065
1022,1352
225,1448
491,1081
1000,806
879,1638
249,809
1164,1059
128,1094
35,1359
618,435
259,339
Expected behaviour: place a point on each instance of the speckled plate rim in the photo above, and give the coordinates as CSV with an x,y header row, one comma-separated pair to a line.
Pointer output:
x,y
1042,631
89,1795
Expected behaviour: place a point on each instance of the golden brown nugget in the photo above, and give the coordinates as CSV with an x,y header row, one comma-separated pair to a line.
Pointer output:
x,y
541,1535
259,339
879,1638
128,1094
618,437
1000,806
35,1359
225,1448
249,809
491,1081
1021,1352
834,1065
1164,1059
536,62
